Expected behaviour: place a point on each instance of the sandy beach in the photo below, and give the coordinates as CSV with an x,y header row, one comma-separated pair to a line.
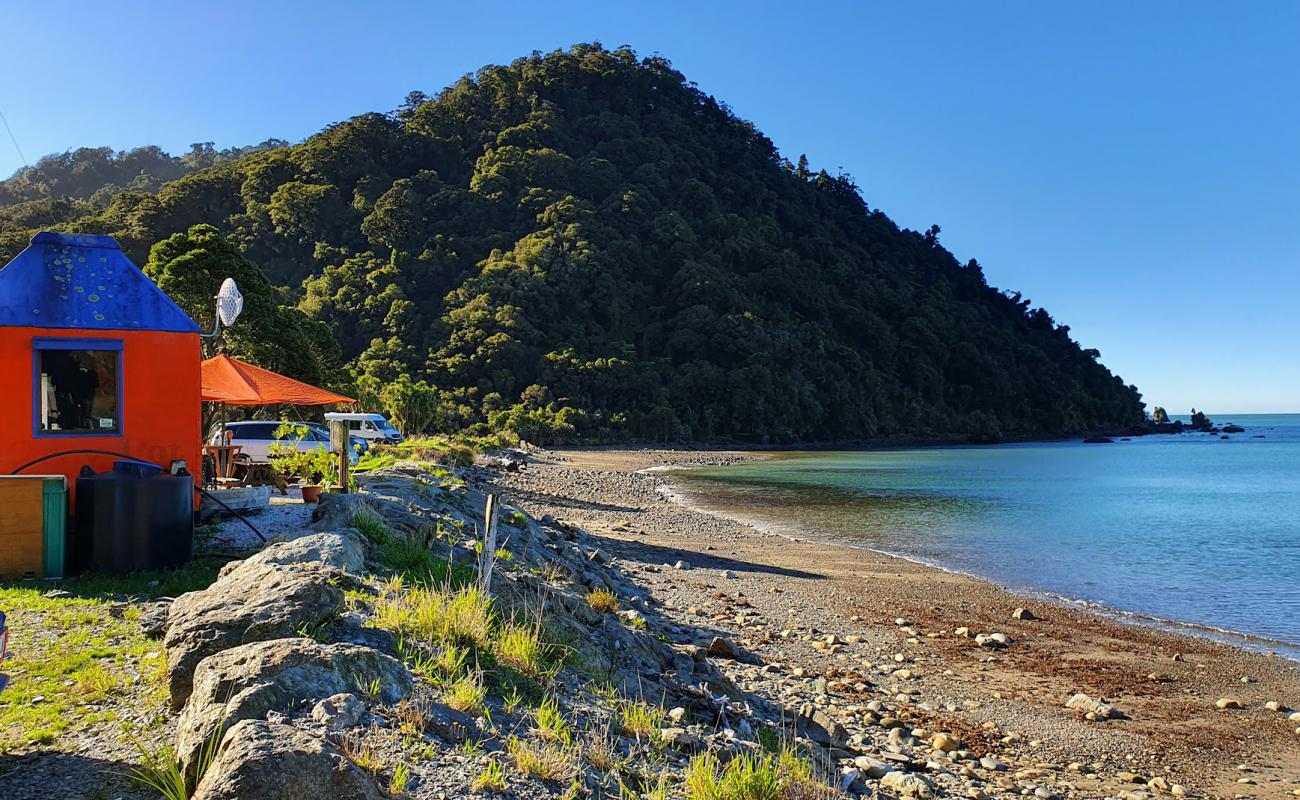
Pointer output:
x,y
843,628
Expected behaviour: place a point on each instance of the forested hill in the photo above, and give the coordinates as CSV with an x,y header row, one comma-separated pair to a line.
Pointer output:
x,y
583,244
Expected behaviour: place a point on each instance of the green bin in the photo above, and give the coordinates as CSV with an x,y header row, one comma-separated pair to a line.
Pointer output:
x,y
55,515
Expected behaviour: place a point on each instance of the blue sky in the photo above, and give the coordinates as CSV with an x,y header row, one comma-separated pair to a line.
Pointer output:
x,y
1132,167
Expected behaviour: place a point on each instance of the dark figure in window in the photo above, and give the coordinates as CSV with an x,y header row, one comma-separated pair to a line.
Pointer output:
x,y
75,382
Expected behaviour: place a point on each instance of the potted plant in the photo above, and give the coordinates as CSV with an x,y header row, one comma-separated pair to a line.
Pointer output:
x,y
314,469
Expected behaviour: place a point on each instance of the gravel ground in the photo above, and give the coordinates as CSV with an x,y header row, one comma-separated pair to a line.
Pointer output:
x,y
286,517
896,625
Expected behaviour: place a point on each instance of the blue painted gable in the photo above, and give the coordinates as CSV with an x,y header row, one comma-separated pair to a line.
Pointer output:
x,y
79,280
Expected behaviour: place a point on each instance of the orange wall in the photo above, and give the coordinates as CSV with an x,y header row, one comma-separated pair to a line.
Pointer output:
x,y
160,403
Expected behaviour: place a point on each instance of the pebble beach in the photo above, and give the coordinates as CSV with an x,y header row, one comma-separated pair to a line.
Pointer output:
x,y
1057,700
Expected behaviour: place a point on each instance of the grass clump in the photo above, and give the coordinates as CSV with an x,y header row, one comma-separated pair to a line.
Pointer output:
x,y
439,614
551,725
641,720
361,751
658,790
599,751
779,776
401,777
603,600
372,526
521,647
542,760
491,779
467,694
160,771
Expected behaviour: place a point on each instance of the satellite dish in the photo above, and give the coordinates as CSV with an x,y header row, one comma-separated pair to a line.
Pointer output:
x,y
229,302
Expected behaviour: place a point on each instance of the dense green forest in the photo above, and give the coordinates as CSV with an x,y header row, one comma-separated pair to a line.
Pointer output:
x,y
583,245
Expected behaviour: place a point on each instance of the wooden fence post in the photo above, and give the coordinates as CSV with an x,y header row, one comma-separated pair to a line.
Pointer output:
x,y
487,559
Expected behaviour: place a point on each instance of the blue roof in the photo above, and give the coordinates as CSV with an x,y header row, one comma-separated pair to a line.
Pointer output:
x,y
83,281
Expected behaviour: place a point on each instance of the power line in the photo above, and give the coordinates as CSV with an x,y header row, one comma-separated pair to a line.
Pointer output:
x,y
14,139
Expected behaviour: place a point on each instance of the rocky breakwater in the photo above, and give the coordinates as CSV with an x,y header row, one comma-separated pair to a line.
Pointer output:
x,y
346,663
240,668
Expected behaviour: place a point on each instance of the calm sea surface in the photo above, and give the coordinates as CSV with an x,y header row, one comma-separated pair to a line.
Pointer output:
x,y
1186,528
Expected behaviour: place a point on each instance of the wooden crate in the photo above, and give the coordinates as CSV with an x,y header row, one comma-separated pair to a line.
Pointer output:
x,y
22,533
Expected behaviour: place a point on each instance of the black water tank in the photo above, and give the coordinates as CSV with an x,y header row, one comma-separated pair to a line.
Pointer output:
x,y
129,520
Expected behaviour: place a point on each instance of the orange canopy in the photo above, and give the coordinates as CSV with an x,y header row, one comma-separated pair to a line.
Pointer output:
x,y
238,383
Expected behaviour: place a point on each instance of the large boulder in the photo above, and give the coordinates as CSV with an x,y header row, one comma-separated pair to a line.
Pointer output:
x,y
252,603
342,549
260,760
246,682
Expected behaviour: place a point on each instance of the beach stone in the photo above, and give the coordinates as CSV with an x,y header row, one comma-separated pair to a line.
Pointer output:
x,y
259,760
248,681
342,549
905,784
722,648
989,762
1096,708
1023,614
871,767
153,618
1228,702
681,565
820,727
1294,716
1273,705
256,602
339,711
993,640
945,742
963,632
679,738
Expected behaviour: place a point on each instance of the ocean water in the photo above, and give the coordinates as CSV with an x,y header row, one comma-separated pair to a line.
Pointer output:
x,y
1187,529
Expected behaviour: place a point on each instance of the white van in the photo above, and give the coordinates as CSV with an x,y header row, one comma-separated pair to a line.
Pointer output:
x,y
372,427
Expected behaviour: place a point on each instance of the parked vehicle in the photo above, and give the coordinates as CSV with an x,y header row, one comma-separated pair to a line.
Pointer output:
x,y
4,648
373,427
358,444
255,439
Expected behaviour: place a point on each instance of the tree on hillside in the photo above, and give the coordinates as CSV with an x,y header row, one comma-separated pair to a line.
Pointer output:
x,y
190,267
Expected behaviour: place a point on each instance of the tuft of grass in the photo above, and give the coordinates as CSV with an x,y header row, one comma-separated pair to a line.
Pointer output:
x,y
551,725
411,718
521,647
160,771
401,777
658,790
438,614
603,600
780,776
541,760
599,751
466,694
491,779
641,720
360,749
371,525
512,699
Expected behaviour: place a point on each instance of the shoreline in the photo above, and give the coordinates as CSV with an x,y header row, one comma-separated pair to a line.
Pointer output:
x,y
750,584
1247,642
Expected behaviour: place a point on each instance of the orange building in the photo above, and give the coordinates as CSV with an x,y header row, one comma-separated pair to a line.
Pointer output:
x,y
97,364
